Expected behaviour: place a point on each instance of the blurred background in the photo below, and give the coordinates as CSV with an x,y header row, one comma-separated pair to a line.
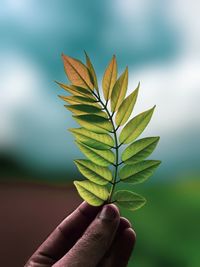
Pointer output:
x,y
160,42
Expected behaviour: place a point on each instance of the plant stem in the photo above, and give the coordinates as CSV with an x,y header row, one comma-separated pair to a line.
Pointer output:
x,y
114,181
116,163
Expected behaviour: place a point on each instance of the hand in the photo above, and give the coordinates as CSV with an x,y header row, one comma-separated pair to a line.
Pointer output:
x,y
89,237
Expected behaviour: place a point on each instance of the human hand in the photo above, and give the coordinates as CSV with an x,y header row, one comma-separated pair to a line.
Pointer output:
x,y
89,237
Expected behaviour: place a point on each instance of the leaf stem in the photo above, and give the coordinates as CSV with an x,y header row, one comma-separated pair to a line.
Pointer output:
x,y
117,127
97,89
116,163
120,145
114,181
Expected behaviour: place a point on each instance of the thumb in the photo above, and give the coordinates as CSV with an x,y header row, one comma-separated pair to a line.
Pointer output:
x,y
94,243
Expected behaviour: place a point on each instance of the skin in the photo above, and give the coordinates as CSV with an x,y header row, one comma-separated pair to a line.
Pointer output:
x,y
89,237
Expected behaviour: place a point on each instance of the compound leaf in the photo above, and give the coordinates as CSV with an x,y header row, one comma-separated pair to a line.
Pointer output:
x,y
126,108
94,137
139,150
95,173
100,157
109,78
119,90
94,140
138,172
92,193
77,72
94,123
129,200
135,126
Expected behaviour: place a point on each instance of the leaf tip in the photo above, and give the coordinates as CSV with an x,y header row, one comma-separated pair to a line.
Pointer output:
x,y
75,183
63,56
126,72
67,107
75,161
71,130
85,53
60,97
56,82
151,110
137,88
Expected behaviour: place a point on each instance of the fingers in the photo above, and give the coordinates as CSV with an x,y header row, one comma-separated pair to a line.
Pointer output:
x,y
65,235
122,246
96,240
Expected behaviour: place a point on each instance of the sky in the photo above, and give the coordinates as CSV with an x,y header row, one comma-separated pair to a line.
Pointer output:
x,y
158,40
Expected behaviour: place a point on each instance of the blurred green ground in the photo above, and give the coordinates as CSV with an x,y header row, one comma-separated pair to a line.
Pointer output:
x,y
168,227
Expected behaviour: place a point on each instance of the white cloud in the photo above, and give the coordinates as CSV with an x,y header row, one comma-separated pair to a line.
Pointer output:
x,y
18,90
29,117
175,88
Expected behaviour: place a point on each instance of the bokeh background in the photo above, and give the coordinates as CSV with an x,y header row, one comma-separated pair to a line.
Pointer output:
x,y
160,42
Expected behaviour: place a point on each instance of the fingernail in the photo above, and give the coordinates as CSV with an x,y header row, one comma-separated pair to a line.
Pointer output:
x,y
109,212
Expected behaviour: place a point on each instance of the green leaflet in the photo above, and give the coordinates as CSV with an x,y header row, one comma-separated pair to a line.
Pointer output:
x,y
100,157
135,126
94,194
75,100
139,150
129,200
91,71
138,172
91,142
94,140
95,173
126,108
76,90
94,123
119,91
80,109
109,78
77,72
99,137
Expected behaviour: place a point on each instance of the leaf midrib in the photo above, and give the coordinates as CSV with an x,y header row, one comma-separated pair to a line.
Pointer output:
x,y
137,126
93,150
91,193
92,138
93,172
130,107
79,73
140,151
110,80
121,93
137,173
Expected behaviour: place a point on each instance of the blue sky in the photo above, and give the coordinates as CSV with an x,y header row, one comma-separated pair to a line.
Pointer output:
x,y
158,40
